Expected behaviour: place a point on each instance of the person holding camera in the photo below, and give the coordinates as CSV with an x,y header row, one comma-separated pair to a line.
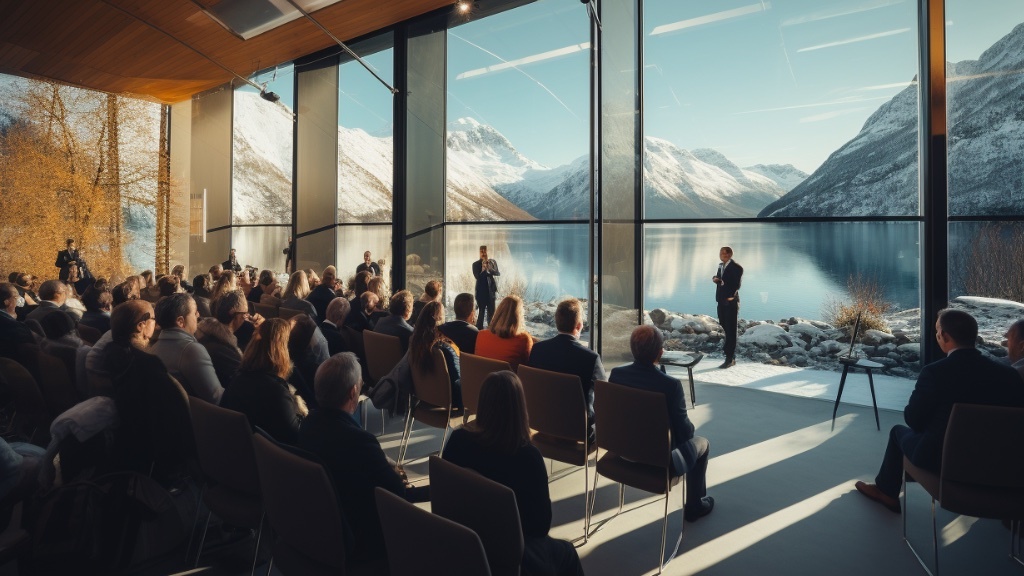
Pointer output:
x,y
232,263
65,258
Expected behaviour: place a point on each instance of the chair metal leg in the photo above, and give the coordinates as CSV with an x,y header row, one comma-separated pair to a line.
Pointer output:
x,y
444,438
586,497
259,536
622,496
195,523
935,538
202,539
664,533
593,501
935,541
406,433
270,566
1015,541
362,412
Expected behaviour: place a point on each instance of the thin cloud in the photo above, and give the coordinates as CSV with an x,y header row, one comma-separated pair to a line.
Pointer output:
x,y
830,115
887,86
814,105
526,60
856,39
827,14
710,18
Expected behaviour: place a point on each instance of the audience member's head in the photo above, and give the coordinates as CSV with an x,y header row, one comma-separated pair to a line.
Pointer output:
x,y
312,278
433,290
267,278
132,323
424,335
303,328
401,304
147,278
57,324
338,382
569,317
298,286
179,271
502,422
228,282
646,344
268,350
13,277
24,281
330,277
10,297
338,310
177,311
130,289
1015,341
54,291
378,286
231,309
955,329
465,307
96,299
169,285
369,302
362,280
508,320
203,283
215,271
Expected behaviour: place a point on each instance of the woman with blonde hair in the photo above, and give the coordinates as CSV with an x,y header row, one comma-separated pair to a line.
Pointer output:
x,y
228,282
425,339
506,337
295,293
260,390
312,279
378,286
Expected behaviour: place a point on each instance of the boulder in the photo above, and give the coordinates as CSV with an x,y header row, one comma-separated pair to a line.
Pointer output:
x,y
876,337
765,335
831,346
807,331
658,316
676,323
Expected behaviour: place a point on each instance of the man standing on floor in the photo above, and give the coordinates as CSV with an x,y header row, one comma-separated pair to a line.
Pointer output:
x,y
727,294
963,376
368,265
484,270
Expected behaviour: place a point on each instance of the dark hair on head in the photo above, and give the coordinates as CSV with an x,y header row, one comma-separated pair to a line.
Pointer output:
x,y
169,285
433,288
178,270
56,324
424,335
171,308
303,328
464,304
645,343
568,314
268,350
8,290
50,289
960,326
728,250
401,303
125,320
69,241
228,304
202,281
12,278
97,298
362,280
266,277
502,422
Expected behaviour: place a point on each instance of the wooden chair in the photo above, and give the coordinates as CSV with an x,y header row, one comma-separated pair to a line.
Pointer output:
x,y
228,460
89,334
482,505
265,310
637,440
423,544
558,414
432,402
383,353
982,471
31,417
474,370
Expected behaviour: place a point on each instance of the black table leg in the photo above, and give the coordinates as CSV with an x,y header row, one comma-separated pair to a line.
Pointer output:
x,y
871,382
842,383
693,394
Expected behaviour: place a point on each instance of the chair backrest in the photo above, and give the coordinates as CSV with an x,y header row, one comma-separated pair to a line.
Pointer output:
x,y
975,449
224,446
482,505
265,310
56,384
29,405
555,403
433,387
423,544
474,369
89,334
287,313
383,352
633,423
300,503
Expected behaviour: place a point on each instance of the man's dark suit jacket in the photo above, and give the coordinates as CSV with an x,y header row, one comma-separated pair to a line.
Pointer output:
x,y
963,376
395,325
12,335
486,285
44,308
648,377
336,341
64,259
357,465
730,286
373,268
565,354
320,298
462,333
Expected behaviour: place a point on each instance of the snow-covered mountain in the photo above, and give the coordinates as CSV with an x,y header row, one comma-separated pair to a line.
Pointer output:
x,y
262,173
877,172
786,176
479,159
365,176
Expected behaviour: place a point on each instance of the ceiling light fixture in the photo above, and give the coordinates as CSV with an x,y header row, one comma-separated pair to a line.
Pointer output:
x,y
463,6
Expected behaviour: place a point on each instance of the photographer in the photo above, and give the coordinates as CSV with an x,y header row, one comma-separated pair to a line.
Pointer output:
x,y
232,263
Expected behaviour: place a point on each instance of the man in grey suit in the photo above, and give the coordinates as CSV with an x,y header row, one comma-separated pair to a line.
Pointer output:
x,y
185,358
397,322
52,296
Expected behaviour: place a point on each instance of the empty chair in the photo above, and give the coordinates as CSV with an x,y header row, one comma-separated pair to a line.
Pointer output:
x,y
382,354
635,433
980,477
482,505
474,370
265,310
423,544
558,412
433,402
226,456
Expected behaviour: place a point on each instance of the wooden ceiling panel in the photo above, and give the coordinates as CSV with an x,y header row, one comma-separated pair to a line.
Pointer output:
x,y
117,45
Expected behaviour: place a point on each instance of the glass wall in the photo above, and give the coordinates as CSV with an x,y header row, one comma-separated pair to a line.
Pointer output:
x,y
519,115
261,246
354,240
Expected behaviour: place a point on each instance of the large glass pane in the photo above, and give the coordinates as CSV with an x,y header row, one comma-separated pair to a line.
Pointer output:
x,y
518,115
424,173
424,260
783,108
541,263
260,246
793,272
261,175
366,140
353,241
985,119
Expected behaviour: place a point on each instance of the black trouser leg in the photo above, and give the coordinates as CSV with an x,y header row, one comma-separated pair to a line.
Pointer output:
x,y
484,309
728,316
696,483
890,474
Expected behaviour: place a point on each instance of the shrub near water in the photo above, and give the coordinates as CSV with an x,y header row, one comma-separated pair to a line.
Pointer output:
x,y
865,299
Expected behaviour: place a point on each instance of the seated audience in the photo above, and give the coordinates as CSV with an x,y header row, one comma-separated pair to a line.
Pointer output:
x,y
260,390
62,341
130,289
215,271
202,284
322,295
26,285
19,467
307,348
361,316
353,456
565,354
397,322
53,295
245,281
217,335
462,330
185,358
431,293
148,290
12,333
179,271
378,286
295,293
963,376
98,304
497,445
689,452
228,282
1015,346
312,278
333,327
155,431
169,285
506,337
265,281
361,281
425,338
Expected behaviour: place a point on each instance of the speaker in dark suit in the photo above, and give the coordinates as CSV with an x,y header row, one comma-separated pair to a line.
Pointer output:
x,y
727,294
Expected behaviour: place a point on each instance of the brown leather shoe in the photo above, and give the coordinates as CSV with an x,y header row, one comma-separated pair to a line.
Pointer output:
x,y
872,492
